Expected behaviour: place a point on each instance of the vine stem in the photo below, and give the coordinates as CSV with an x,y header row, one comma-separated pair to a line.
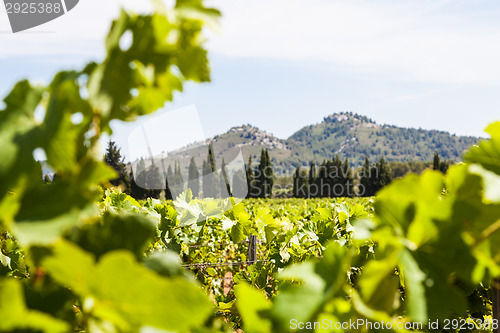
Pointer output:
x,y
487,233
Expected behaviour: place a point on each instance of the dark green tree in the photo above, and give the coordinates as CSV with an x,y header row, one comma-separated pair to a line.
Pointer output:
x,y
331,180
347,180
322,180
136,191
300,183
253,190
193,178
225,187
206,170
336,178
210,177
178,173
114,159
381,175
265,176
154,181
170,176
438,165
313,190
365,189
176,181
240,185
148,183
436,161
138,181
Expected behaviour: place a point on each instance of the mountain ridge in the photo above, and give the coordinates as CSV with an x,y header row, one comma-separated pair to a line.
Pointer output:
x,y
346,134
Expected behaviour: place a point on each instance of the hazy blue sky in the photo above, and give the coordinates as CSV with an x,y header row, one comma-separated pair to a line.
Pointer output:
x,y
284,64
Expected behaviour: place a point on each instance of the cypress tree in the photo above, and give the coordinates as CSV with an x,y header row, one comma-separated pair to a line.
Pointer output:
x,y
265,176
135,190
206,183
380,176
240,185
296,183
259,177
251,181
322,180
210,178
300,184
211,159
385,174
443,166
365,180
114,159
438,165
193,178
178,173
154,182
224,186
175,180
347,179
168,192
147,183
138,186
269,174
313,187
436,162
336,178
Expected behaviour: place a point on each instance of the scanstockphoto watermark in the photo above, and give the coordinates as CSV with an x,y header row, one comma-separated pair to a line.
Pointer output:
x,y
462,324
331,181
356,324
27,14
330,171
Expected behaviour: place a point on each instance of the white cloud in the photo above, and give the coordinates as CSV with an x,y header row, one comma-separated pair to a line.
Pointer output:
x,y
424,40
413,40
80,32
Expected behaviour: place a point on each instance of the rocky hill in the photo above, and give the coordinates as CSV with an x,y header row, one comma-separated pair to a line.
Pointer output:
x,y
354,136
346,134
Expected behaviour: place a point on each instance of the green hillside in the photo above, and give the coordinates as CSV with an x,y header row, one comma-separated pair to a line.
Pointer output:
x,y
354,136
346,134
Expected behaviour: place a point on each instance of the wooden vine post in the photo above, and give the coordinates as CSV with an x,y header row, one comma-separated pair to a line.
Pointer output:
x,y
252,249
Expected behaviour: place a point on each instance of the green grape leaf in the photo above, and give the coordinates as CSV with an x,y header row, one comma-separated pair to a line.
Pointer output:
x,y
319,282
114,232
227,223
16,316
415,290
254,309
41,231
322,214
490,182
120,290
166,264
238,232
147,66
379,284
412,205
487,152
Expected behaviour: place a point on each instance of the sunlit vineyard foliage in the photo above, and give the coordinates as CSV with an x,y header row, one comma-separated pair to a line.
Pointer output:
x,y
77,255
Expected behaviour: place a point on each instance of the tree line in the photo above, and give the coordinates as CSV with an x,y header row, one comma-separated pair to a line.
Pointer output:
x,y
331,178
253,182
334,178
